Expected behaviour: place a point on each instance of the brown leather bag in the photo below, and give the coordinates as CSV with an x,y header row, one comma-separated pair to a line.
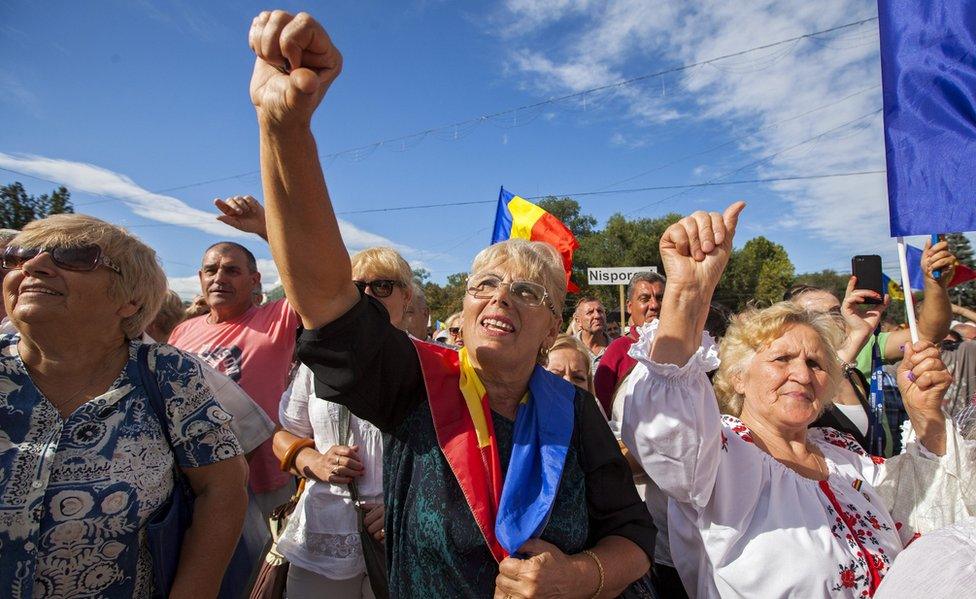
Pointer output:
x,y
271,579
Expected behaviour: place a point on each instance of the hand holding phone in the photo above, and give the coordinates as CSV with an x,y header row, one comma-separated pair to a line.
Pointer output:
x,y
867,269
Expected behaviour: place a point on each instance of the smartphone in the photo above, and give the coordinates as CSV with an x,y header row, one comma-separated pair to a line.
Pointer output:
x,y
867,269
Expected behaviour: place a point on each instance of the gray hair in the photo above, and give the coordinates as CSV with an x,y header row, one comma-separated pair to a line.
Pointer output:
x,y
418,293
648,276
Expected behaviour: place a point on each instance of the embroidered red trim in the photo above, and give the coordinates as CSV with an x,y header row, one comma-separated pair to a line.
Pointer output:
x,y
848,521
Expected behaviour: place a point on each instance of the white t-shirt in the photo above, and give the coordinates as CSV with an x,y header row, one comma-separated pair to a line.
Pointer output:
x,y
856,414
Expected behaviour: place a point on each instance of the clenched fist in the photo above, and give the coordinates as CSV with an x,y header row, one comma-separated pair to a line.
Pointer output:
x,y
295,65
696,249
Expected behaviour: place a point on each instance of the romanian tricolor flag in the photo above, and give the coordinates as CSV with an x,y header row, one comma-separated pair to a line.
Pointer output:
x,y
517,218
511,507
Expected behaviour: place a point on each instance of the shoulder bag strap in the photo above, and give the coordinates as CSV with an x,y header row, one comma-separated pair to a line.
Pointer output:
x,y
151,385
344,417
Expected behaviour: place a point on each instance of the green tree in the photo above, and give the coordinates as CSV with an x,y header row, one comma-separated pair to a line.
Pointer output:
x,y
275,294
18,208
760,272
828,279
444,300
567,210
621,242
421,275
962,249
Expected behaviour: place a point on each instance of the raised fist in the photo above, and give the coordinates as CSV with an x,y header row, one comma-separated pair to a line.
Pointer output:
x,y
696,249
295,65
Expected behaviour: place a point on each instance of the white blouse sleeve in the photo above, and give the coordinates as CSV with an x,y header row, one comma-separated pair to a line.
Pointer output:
x,y
672,422
293,409
926,492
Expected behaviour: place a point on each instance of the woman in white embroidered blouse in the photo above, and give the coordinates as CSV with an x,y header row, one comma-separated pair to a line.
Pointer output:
x,y
760,506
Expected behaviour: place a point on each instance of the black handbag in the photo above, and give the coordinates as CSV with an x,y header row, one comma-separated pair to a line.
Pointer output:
x,y
167,525
374,552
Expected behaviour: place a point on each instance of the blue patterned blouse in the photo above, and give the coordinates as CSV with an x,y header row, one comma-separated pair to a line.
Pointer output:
x,y
76,492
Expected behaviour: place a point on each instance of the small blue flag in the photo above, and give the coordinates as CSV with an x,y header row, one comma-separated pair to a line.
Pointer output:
x,y
915,276
928,74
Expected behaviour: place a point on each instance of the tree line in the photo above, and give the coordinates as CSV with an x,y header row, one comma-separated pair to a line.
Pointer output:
x,y
17,208
759,272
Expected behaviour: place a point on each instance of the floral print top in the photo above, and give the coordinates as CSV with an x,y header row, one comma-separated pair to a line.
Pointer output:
x,y
76,492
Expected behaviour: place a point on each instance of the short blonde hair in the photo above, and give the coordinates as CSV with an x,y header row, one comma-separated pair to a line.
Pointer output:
x,y
565,341
386,263
535,260
754,330
454,320
170,314
142,280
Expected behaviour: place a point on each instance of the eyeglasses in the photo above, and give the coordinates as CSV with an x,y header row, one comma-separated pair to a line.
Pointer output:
x,y
379,287
81,258
454,330
525,292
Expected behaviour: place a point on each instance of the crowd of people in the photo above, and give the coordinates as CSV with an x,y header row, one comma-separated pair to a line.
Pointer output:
x,y
692,453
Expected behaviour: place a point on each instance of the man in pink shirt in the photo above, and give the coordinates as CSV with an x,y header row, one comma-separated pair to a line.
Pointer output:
x,y
253,345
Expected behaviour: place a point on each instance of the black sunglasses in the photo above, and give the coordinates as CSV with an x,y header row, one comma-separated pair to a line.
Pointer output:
x,y
379,287
80,257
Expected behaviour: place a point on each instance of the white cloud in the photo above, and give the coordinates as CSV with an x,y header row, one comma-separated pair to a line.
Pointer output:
x,y
81,176
186,287
532,13
631,142
764,90
84,177
269,274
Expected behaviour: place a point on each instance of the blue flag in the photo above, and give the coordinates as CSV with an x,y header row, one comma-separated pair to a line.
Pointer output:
x,y
540,442
916,277
928,74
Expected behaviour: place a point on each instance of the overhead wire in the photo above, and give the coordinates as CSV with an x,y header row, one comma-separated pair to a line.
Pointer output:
x,y
358,153
617,191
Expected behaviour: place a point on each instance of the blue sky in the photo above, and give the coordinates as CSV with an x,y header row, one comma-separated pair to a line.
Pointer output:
x,y
124,101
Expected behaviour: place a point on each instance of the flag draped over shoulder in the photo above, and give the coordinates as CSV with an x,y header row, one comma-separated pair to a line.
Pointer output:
x,y
913,255
517,218
928,67
511,507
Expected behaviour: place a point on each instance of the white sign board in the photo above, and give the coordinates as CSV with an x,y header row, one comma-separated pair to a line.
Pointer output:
x,y
616,275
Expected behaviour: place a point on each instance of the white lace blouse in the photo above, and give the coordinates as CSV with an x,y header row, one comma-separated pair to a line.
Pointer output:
x,y
322,534
742,524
